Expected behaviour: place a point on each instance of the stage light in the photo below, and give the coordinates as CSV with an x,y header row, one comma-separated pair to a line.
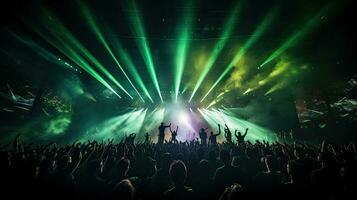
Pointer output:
x,y
93,25
183,117
227,31
182,47
64,48
131,66
253,38
142,42
224,116
296,37
46,54
62,34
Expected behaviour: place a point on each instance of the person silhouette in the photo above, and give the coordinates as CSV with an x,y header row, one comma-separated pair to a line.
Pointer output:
x,y
178,174
228,134
203,136
130,139
147,138
174,135
213,137
162,128
240,137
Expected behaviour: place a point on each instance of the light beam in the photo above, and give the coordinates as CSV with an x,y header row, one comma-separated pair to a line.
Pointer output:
x,y
228,28
253,38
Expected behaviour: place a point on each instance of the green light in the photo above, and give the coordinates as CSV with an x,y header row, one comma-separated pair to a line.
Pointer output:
x,y
108,129
64,48
182,47
228,28
153,119
59,31
134,123
255,36
296,37
93,25
130,65
144,49
224,116
58,125
47,55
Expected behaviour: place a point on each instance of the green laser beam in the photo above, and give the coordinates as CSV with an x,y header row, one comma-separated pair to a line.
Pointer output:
x,y
296,37
66,50
118,48
258,32
182,47
93,25
227,30
46,54
58,30
142,42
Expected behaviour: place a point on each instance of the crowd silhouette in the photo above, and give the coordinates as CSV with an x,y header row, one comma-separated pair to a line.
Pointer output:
x,y
198,169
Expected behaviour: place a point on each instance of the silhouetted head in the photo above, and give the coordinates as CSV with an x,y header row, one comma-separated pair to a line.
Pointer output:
x,y
124,190
225,157
162,123
178,173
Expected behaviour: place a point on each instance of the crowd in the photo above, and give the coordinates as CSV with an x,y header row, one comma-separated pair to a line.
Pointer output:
x,y
199,169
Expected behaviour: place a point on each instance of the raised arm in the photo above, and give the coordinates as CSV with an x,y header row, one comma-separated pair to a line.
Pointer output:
x,y
246,131
227,128
219,130
235,133
170,129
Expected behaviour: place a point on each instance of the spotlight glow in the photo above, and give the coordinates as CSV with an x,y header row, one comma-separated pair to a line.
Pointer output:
x,y
183,117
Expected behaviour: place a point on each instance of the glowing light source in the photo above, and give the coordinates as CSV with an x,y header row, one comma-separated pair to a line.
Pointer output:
x,y
183,117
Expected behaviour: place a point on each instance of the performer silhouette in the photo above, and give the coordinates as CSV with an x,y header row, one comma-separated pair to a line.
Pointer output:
x,y
203,136
174,135
147,138
213,137
162,128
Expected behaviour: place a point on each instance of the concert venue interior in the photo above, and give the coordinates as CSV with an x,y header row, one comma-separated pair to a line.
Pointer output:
x,y
255,97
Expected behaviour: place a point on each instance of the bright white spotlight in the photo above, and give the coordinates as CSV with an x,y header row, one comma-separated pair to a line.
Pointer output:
x,y
183,117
